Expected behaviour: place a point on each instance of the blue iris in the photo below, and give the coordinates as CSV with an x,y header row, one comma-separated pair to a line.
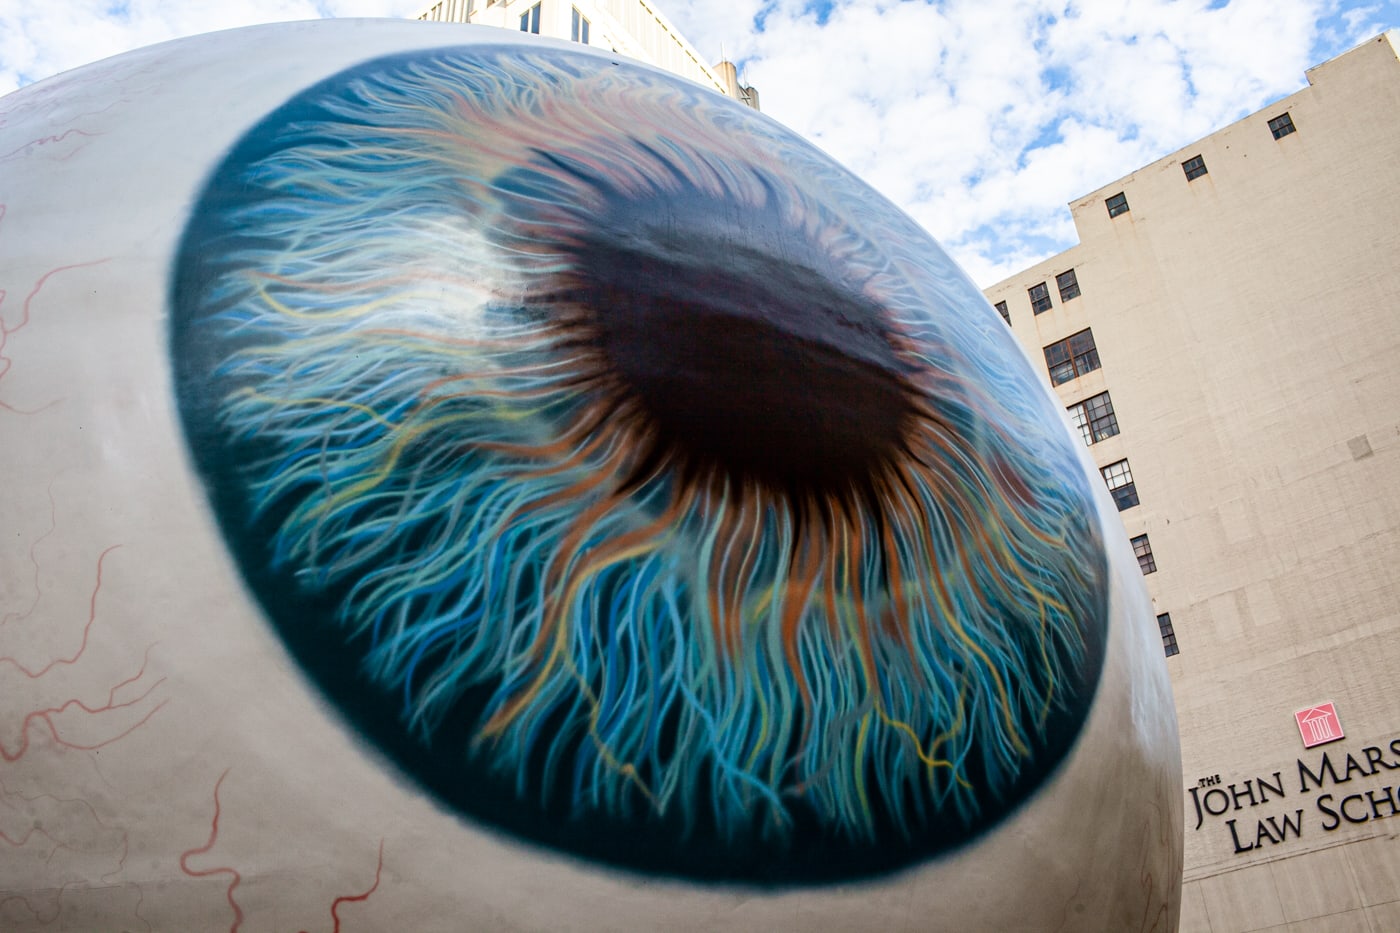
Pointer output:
x,y
631,476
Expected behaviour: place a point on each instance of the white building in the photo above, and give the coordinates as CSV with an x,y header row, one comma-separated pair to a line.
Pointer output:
x,y
634,28
1226,336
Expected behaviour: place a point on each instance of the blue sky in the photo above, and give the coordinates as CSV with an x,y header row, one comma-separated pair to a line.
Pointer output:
x,y
981,118
984,118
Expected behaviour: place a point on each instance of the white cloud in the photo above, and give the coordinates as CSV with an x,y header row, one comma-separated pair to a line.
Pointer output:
x,y
981,118
984,118
39,38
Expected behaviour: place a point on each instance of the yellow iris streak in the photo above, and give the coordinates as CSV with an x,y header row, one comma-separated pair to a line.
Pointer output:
x,y
316,400
926,757
1042,601
626,769
1045,660
406,436
859,757
942,597
1005,700
854,621
359,310
440,158
446,348
956,726
996,679
561,639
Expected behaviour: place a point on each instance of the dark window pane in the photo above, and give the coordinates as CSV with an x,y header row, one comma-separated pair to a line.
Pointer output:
x,y
1081,342
1104,427
1120,482
1194,167
1281,126
1164,625
1094,418
1101,419
1069,285
1040,298
1071,357
1143,549
1125,497
1005,314
1118,204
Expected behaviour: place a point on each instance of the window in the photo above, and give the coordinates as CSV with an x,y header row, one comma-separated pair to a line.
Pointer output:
x,y
578,27
1194,168
1120,483
1069,285
1164,625
1143,549
1118,204
449,11
1005,314
1072,357
1281,126
1094,418
1040,298
530,20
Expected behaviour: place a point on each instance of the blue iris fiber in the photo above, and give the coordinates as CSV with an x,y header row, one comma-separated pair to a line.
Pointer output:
x,y
451,500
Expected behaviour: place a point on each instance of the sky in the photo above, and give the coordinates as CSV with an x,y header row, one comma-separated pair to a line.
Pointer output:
x,y
980,118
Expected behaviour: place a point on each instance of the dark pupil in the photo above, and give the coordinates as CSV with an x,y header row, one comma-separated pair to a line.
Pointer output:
x,y
747,364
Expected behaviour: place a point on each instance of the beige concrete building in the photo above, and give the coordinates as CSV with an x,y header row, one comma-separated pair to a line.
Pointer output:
x,y
1226,336
634,28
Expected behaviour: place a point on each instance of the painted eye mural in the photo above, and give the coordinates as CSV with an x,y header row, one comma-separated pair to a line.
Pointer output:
x,y
575,475
631,473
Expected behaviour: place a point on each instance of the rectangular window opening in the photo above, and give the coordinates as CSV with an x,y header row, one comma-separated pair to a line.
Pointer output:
x,y
1118,204
578,27
530,20
1005,314
1143,549
1120,483
1094,418
1069,285
1164,625
1194,168
1281,126
1072,357
1040,297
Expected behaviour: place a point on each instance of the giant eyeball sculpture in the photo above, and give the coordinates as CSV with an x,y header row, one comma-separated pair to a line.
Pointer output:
x,y
461,481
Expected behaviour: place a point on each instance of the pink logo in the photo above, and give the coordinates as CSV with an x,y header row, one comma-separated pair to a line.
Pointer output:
x,y
1319,725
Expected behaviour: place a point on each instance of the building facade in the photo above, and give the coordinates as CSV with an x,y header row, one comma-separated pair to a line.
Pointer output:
x,y
1226,339
634,28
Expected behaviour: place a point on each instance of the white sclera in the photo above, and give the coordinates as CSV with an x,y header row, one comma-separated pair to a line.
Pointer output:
x,y
113,566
